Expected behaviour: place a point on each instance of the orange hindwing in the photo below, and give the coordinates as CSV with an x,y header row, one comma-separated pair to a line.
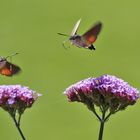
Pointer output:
x,y
9,69
91,35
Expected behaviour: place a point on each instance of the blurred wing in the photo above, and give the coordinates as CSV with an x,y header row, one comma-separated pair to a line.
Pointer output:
x,y
91,35
10,69
74,31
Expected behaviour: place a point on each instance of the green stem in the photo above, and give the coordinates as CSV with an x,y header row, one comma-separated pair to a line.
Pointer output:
x,y
19,118
96,115
17,126
102,125
92,108
107,117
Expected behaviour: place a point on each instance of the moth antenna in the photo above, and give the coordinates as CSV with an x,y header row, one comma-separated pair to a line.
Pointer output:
x,y
11,55
63,34
64,42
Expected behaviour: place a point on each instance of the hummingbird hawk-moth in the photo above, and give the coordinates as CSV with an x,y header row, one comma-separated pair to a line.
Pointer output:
x,y
7,68
87,39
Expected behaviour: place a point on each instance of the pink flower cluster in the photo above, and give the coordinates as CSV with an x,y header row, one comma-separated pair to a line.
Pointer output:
x,y
16,98
106,90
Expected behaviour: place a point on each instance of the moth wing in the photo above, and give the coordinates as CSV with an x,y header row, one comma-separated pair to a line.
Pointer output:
x,y
75,29
91,35
10,69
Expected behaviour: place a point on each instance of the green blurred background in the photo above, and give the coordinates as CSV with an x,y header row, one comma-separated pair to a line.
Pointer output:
x,y
30,27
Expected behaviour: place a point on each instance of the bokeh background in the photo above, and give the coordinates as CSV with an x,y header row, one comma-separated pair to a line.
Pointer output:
x,y
30,28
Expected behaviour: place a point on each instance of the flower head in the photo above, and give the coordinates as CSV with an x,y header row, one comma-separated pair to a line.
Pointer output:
x,y
105,91
16,98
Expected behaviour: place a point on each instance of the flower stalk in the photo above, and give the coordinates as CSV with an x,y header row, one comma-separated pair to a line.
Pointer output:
x,y
15,99
102,126
108,93
17,124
